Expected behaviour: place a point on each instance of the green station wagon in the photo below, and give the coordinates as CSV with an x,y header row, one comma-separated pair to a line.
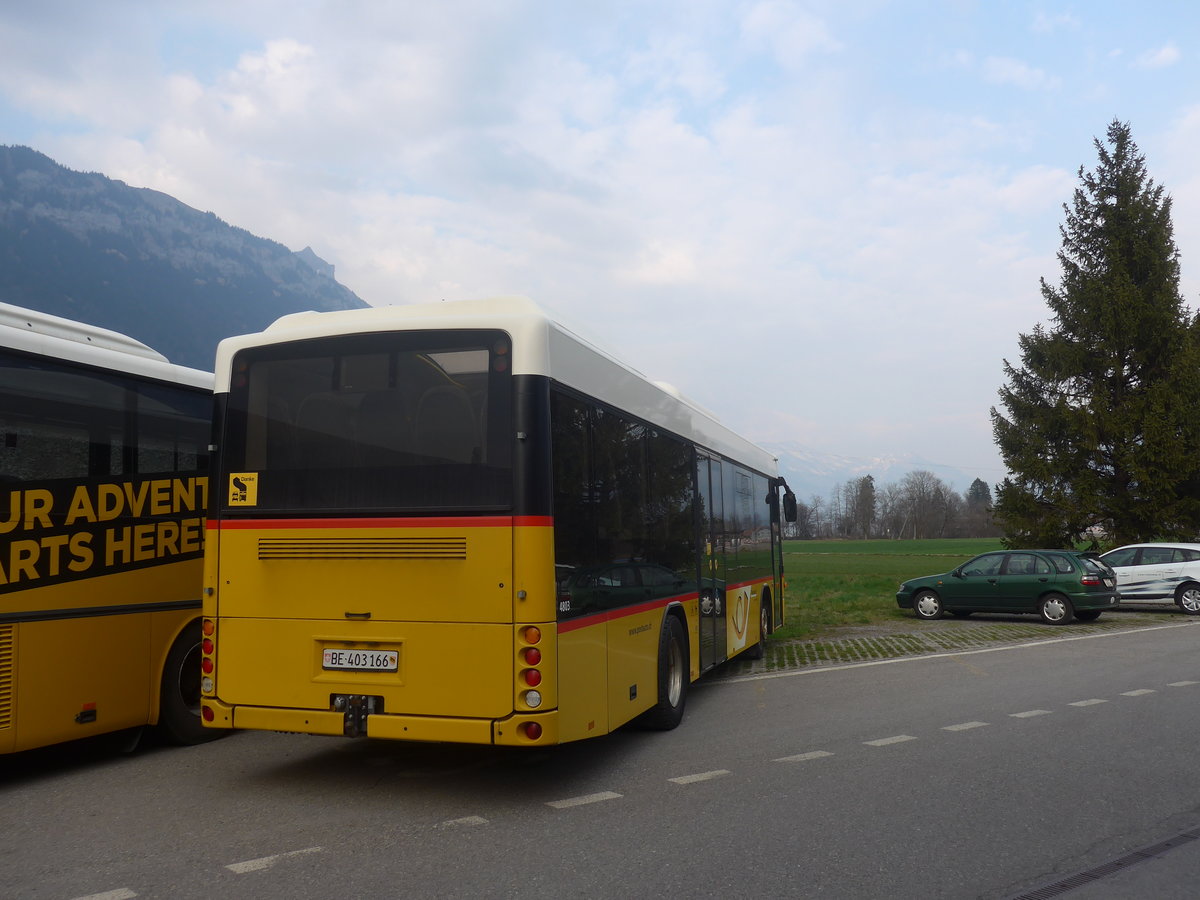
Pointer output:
x,y
1058,585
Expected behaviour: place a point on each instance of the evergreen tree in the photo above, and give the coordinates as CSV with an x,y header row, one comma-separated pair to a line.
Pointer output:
x,y
1101,426
864,506
979,496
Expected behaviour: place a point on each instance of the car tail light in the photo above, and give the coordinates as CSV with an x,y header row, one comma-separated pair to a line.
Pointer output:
x,y
1090,581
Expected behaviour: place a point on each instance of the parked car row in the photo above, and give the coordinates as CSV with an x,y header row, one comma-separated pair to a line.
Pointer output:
x,y
1060,585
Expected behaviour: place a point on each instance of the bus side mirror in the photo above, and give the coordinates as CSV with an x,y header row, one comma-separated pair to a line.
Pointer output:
x,y
789,506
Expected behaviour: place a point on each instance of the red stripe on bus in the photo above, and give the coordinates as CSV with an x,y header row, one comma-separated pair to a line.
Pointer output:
x,y
408,522
611,615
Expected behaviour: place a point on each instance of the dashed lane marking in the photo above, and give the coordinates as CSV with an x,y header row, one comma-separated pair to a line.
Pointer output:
x,y
1182,683
266,862
118,894
701,776
465,820
963,726
883,742
804,757
1092,702
584,800
1030,713
1138,693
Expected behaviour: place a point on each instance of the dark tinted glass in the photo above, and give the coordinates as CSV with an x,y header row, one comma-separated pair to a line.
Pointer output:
x,y
411,421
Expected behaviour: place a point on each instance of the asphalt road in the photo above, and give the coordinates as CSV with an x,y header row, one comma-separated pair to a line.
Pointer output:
x,y
974,774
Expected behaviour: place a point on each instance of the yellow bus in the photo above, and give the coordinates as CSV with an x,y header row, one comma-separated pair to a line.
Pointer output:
x,y
462,522
103,456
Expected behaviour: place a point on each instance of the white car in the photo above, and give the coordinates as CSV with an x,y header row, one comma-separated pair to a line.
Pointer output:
x,y
1158,573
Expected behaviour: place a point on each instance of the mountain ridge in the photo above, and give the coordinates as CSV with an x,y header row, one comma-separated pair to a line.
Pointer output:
x,y
138,261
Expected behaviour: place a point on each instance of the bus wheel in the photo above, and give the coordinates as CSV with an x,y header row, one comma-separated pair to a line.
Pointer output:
x,y
179,702
672,678
759,650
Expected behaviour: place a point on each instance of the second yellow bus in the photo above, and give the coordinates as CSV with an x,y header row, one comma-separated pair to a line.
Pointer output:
x,y
462,522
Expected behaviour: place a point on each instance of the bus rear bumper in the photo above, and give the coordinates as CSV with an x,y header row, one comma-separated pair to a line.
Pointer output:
x,y
515,731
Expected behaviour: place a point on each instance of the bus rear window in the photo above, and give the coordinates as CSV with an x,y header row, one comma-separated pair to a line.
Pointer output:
x,y
414,421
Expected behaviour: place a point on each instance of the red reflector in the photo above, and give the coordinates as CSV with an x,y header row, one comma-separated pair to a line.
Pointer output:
x,y
533,678
533,730
207,713
206,665
206,645
533,656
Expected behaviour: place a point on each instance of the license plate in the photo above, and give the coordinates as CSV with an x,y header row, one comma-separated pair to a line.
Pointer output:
x,y
361,660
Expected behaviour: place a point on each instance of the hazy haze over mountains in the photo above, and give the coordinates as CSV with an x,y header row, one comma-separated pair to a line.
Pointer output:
x,y
811,473
86,247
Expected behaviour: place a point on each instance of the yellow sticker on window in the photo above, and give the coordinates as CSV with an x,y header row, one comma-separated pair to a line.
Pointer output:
x,y
243,489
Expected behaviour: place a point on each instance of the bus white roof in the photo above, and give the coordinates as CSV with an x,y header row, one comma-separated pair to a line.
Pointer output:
x,y
541,346
40,333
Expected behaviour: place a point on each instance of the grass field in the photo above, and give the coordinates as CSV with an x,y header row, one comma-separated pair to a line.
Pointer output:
x,y
835,584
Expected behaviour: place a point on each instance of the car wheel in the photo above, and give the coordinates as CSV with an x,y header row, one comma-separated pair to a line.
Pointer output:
x,y
1088,615
928,605
1055,609
1188,599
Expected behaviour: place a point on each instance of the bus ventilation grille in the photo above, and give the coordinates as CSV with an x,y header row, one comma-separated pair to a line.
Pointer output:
x,y
363,548
7,667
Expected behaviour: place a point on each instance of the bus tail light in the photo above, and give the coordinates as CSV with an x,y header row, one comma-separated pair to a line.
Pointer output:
x,y
208,662
529,675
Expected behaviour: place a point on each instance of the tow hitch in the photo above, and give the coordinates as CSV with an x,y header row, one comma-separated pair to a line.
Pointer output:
x,y
354,709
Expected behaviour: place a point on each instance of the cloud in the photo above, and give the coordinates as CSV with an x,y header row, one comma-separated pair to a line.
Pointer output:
x,y
1166,55
1047,23
790,33
1004,70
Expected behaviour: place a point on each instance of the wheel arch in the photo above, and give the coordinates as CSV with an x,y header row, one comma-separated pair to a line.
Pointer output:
x,y
171,637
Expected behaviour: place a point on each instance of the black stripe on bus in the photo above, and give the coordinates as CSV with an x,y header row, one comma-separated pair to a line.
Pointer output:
x,y
88,612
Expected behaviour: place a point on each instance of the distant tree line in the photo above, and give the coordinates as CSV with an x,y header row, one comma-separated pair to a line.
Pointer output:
x,y
920,505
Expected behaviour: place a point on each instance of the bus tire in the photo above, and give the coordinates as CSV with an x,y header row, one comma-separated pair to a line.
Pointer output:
x,y
179,700
673,675
759,650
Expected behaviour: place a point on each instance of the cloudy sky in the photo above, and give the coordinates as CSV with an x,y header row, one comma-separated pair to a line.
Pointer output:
x,y
825,220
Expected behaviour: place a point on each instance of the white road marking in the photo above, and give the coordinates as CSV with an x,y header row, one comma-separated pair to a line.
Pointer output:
x,y
465,820
702,776
883,742
118,894
1137,693
802,757
1029,714
964,726
1182,683
585,799
265,862
1091,702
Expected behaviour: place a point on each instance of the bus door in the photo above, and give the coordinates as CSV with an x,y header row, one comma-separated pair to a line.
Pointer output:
x,y
712,563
